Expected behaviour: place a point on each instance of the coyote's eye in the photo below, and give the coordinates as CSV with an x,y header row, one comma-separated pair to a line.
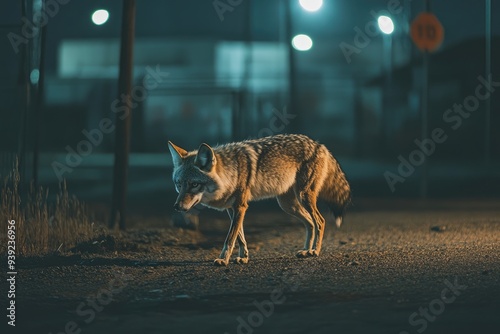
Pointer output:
x,y
194,185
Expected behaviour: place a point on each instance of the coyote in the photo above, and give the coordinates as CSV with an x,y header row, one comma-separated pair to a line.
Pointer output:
x,y
293,168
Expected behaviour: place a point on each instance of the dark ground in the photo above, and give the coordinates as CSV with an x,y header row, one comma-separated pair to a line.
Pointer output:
x,y
389,260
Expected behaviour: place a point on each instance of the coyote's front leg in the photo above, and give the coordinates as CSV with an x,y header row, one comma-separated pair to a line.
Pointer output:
x,y
243,249
234,232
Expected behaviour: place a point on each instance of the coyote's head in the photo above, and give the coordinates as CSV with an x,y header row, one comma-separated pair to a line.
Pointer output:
x,y
192,175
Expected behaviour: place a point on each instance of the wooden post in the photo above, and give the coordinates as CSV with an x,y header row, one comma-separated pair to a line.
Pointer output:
x,y
24,82
40,91
122,140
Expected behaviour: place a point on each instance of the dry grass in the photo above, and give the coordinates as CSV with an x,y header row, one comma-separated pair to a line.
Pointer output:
x,y
43,227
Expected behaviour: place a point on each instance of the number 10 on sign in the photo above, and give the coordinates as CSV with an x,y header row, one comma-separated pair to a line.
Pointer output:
x,y
427,32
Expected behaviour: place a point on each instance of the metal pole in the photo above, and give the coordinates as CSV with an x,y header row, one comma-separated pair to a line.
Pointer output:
x,y
283,36
122,141
424,114
292,107
487,129
247,100
386,92
425,108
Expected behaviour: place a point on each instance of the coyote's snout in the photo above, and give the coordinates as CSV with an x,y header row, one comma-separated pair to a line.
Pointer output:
x,y
294,169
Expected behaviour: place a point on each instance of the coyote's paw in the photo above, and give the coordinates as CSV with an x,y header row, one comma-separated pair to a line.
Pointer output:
x,y
305,253
220,262
241,260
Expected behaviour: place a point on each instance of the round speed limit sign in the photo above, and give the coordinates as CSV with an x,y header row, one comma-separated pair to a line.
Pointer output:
x,y
427,32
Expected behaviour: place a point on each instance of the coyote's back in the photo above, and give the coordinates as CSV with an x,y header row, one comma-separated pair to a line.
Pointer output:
x,y
292,168
272,165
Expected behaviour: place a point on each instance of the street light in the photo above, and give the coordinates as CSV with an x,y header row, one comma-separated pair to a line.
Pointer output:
x,y
311,5
385,24
100,17
302,42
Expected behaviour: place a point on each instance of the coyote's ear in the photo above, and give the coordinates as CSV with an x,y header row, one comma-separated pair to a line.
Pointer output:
x,y
177,154
205,159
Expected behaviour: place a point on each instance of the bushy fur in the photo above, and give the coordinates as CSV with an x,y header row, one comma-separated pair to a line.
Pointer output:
x,y
292,168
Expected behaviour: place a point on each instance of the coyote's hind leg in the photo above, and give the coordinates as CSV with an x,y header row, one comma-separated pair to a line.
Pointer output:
x,y
291,205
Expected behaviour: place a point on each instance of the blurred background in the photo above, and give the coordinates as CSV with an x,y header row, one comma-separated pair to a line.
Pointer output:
x,y
217,71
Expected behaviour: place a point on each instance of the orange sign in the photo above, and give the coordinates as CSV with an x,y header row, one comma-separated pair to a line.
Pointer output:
x,y
427,32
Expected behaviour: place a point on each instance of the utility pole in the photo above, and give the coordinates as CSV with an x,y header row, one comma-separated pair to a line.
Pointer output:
x,y
122,139
40,91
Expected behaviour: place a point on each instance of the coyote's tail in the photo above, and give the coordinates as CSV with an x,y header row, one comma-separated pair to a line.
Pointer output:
x,y
336,190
